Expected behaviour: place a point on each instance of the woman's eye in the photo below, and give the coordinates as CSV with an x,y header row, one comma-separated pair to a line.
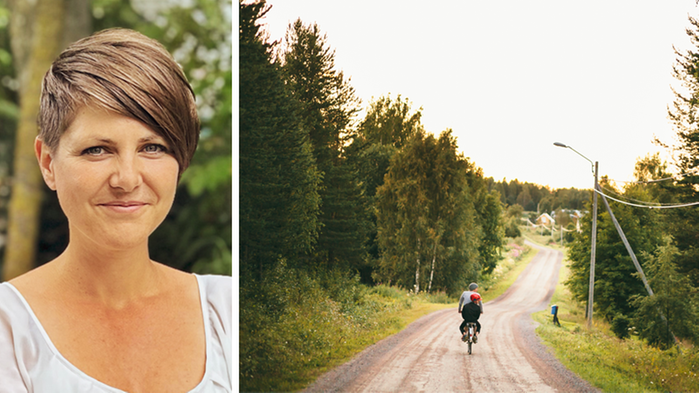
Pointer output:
x,y
94,151
155,148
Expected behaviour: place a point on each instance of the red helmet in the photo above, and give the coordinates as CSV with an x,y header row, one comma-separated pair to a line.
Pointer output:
x,y
475,297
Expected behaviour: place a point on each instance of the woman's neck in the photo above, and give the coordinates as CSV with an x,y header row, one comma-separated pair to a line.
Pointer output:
x,y
114,278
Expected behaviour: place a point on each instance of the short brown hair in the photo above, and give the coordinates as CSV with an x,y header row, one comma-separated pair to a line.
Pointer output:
x,y
122,71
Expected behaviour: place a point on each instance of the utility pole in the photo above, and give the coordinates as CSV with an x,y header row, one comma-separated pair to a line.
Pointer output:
x,y
591,294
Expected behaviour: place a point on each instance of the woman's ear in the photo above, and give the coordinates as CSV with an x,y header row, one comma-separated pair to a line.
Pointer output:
x,y
45,158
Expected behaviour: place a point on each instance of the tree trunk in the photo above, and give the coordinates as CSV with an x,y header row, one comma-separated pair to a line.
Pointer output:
x,y
27,186
438,237
434,257
417,269
78,21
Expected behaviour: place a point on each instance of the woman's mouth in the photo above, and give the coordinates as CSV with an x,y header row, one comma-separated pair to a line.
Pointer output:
x,y
123,207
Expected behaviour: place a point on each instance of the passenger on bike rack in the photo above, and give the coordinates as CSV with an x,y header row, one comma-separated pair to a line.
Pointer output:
x,y
470,308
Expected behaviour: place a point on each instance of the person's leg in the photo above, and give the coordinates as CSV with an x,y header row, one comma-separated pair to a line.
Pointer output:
x,y
478,330
462,328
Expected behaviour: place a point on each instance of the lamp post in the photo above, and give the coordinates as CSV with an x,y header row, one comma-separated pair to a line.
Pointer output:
x,y
591,292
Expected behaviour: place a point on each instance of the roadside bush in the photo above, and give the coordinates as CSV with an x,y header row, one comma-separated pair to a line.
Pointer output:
x,y
294,323
620,326
388,292
512,227
343,287
438,297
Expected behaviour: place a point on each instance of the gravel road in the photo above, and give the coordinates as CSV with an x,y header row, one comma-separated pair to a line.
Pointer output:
x,y
428,356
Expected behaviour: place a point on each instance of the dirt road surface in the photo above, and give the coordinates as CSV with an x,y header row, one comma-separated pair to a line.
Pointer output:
x,y
428,356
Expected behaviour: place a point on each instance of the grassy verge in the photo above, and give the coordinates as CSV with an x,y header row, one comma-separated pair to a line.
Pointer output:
x,y
506,273
533,236
608,363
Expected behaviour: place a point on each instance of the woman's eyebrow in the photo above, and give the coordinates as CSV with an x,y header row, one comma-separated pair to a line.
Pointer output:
x,y
151,138
145,139
106,141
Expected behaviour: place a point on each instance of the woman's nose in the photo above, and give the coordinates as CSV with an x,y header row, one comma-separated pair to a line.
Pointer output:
x,y
127,174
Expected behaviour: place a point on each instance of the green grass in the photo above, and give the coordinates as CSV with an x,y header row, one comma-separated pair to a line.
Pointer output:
x,y
608,363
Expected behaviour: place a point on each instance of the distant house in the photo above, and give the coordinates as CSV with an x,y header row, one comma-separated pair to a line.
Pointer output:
x,y
545,219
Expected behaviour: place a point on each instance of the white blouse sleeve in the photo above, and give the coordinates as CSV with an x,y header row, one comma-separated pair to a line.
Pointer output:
x,y
12,372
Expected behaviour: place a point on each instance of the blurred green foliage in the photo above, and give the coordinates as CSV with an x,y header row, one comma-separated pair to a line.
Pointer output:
x,y
197,235
9,111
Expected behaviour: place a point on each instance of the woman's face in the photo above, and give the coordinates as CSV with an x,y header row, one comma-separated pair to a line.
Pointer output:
x,y
114,178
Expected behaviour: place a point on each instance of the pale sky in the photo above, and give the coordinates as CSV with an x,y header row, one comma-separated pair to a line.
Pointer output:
x,y
512,77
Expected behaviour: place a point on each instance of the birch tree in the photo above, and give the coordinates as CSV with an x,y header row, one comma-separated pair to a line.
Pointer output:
x,y
426,219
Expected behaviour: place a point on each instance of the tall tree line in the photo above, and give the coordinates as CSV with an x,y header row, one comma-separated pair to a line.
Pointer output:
x,y
537,198
321,190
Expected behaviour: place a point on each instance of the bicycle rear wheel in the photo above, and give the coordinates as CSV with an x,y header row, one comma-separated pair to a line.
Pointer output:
x,y
471,332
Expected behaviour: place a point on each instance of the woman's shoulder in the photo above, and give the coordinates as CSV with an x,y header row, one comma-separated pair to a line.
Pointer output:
x,y
216,283
218,292
11,303
217,289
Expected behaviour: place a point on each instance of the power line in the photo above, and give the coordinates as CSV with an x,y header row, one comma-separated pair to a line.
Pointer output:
x,y
613,192
648,206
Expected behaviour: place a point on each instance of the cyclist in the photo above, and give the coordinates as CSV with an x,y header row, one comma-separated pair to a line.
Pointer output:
x,y
470,308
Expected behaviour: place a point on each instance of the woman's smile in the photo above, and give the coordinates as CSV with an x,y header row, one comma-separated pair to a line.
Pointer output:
x,y
124,206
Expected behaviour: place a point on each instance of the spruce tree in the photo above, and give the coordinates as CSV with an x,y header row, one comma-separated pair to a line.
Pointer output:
x,y
279,200
674,300
684,114
327,107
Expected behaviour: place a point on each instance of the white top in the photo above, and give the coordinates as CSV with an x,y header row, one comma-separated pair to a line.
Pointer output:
x,y
30,363
466,299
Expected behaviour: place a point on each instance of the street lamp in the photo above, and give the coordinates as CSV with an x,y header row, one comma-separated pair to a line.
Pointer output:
x,y
590,296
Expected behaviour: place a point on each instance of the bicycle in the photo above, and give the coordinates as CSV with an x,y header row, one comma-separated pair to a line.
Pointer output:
x,y
470,335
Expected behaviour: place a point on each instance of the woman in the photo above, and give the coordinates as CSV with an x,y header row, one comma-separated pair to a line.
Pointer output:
x,y
118,126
